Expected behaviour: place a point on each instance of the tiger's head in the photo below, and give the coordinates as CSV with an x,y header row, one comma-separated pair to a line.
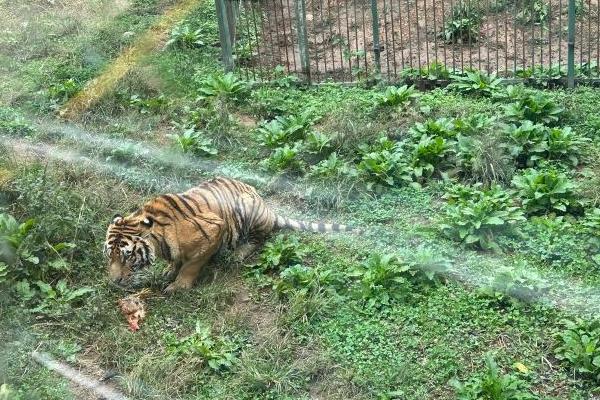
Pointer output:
x,y
127,248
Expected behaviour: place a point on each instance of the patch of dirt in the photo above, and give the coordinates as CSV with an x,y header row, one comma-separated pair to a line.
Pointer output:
x,y
340,36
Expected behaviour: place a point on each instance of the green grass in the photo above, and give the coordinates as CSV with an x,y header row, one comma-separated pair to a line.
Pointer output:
x,y
319,339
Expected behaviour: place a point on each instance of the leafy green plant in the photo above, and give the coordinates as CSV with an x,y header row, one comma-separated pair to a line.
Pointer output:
x,y
302,280
218,353
476,83
384,168
190,141
565,145
493,385
535,107
288,130
432,72
430,154
13,123
398,97
381,280
61,92
534,12
527,143
532,143
52,301
184,36
476,216
332,167
542,76
284,158
427,267
279,253
547,191
12,236
442,127
223,87
579,346
474,124
147,105
510,285
463,24
317,142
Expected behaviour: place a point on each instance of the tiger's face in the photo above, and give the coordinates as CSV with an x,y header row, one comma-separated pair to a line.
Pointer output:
x,y
127,248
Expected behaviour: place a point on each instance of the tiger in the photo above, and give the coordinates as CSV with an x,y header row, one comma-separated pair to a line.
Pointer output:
x,y
187,229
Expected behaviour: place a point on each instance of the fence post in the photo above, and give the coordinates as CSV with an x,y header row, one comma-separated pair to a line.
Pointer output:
x,y
300,10
225,33
376,45
571,46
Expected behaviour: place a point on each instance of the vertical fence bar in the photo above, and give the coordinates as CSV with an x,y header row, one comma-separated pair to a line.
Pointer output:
x,y
386,44
323,45
402,65
418,36
426,30
376,44
571,46
291,21
300,10
348,39
442,31
435,34
330,41
597,39
514,40
410,52
589,44
365,51
550,39
560,34
257,36
393,41
225,35
313,14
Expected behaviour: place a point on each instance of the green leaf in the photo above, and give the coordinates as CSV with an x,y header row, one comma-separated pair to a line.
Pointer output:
x,y
494,221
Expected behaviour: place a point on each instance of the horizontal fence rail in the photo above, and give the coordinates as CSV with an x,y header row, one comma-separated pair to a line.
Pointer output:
x,y
351,40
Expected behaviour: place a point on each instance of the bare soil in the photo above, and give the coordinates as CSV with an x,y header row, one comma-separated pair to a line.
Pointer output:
x,y
340,37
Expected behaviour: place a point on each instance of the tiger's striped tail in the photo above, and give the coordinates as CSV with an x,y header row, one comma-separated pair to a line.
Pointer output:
x,y
284,222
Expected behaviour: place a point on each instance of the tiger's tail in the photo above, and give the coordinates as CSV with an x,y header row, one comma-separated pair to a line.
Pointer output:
x,y
284,222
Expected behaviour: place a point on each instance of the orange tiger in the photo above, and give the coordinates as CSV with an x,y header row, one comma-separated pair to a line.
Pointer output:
x,y
187,229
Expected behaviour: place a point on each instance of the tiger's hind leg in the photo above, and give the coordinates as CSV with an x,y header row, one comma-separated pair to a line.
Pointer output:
x,y
244,251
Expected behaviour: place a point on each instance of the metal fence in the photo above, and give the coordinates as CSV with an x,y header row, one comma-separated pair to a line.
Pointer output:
x,y
346,40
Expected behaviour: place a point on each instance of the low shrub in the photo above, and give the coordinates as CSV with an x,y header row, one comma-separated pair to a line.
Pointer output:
x,y
191,141
397,97
476,83
476,216
547,191
578,346
535,107
218,353
463,24
493,385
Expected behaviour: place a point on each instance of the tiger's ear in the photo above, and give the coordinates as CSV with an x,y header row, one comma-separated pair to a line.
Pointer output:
x,y
148,221
117,218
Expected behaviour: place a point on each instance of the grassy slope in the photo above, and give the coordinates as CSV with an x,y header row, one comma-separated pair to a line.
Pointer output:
x,y
286,350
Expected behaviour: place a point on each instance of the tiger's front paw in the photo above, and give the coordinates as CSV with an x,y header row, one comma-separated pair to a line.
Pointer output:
x,y
169,274
175,286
